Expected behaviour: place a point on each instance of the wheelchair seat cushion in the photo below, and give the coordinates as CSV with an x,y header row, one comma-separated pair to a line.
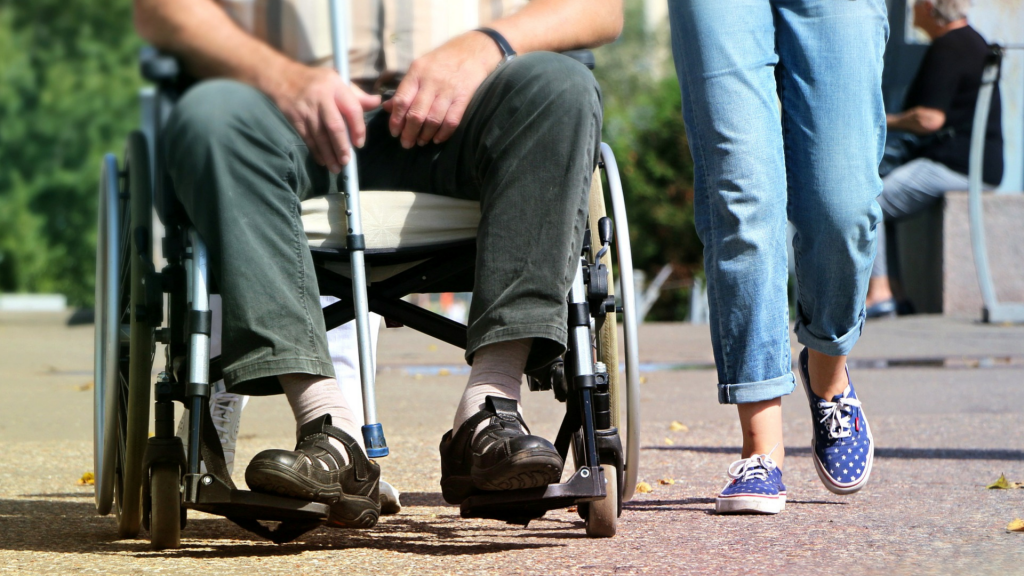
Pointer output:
x,y
392,221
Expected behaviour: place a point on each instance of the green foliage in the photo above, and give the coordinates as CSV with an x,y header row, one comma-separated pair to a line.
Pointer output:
x,y
644,126
68,86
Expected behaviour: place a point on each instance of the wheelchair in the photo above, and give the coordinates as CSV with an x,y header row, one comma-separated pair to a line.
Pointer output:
x,y
425,244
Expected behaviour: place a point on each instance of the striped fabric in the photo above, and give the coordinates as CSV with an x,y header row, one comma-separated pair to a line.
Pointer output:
x,y
387,35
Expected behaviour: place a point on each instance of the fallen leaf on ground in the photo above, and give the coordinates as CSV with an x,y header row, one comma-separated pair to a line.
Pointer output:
x,y
1016,526
677,426
571,509
87,479
666,481
84,387
1000,484
669,442
644,488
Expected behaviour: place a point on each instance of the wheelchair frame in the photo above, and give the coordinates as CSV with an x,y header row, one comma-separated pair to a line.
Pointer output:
x,y
152,483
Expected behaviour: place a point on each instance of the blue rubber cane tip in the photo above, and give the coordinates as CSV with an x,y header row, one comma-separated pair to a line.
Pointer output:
x,y
373,437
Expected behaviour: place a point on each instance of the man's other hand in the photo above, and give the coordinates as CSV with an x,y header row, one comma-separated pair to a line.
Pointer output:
x,y
918,120
432,98
324,111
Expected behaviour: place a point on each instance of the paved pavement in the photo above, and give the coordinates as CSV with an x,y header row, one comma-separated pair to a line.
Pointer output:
x,y
945,398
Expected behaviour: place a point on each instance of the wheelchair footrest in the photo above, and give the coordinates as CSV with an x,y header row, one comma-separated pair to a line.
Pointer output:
x,y
246,508
522,506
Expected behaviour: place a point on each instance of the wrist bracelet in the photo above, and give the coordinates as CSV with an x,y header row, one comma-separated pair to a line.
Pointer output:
x,y
506,49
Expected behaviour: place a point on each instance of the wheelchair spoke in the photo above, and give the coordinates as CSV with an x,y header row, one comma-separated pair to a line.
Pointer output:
x,y
124,261
122,433
122,414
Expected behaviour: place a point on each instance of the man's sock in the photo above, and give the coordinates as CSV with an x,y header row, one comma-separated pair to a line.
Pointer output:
x,y
497,371
313,396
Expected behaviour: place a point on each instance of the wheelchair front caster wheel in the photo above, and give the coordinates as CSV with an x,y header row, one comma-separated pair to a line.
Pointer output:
x,y
165,499
603,515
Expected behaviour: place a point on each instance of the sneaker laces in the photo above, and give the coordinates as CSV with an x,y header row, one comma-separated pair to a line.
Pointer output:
x,y
757,467
836,415
222,405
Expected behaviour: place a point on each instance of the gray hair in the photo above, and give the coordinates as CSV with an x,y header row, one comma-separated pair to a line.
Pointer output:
x,y
951,10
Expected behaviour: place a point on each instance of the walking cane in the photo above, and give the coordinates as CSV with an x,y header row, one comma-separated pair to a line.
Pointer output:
x,y
373,432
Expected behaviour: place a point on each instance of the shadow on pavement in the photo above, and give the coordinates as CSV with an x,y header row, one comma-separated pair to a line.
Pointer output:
x,y
430,499
904,453
31,523
705,505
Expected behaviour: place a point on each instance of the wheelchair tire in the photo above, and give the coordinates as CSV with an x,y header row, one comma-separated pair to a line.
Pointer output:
x,y
127,400
108,332
165,507
607,352
603,515
628,388
606,327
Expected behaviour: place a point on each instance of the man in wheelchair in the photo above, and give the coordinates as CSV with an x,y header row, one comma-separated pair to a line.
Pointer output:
x,y
269,126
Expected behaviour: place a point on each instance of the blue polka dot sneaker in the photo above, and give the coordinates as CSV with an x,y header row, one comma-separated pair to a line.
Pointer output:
x,y
755,487
842,445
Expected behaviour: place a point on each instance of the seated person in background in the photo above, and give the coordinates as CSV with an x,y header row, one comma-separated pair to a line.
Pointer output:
x,y
940,107
267,131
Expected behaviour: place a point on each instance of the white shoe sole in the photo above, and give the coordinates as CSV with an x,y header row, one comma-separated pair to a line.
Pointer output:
x,y
390,502
750,504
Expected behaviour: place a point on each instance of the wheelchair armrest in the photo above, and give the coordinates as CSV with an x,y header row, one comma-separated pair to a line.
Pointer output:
x,y
585,57
159,67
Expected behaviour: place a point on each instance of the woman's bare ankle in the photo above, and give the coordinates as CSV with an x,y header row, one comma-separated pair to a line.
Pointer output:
x,y
827,374
761,423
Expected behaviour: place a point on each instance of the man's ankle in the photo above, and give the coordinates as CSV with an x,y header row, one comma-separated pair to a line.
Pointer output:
x,y
879,290
313,396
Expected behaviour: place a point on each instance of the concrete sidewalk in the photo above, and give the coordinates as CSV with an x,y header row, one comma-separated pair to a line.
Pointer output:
x,y
945,399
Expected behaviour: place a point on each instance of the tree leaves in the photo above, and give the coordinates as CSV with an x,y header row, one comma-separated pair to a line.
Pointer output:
x,y
643,124
68,93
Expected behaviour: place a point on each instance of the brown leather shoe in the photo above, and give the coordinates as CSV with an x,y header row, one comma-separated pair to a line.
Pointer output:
x,y
352,489
502,456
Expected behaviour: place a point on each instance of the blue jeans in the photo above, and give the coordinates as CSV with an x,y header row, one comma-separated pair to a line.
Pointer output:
x,y
910,189
813,160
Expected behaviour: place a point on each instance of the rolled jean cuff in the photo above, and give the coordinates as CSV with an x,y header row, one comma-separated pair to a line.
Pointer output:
x,y
548,342
840,346
260,378
756,391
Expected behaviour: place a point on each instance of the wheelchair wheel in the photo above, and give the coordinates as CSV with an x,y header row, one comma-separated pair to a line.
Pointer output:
x,y
601,516
165,507
625,388
107,342
124,341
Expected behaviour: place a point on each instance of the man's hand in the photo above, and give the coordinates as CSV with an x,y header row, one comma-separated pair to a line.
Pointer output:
x,y
314,100
320,106
918,120
434,95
